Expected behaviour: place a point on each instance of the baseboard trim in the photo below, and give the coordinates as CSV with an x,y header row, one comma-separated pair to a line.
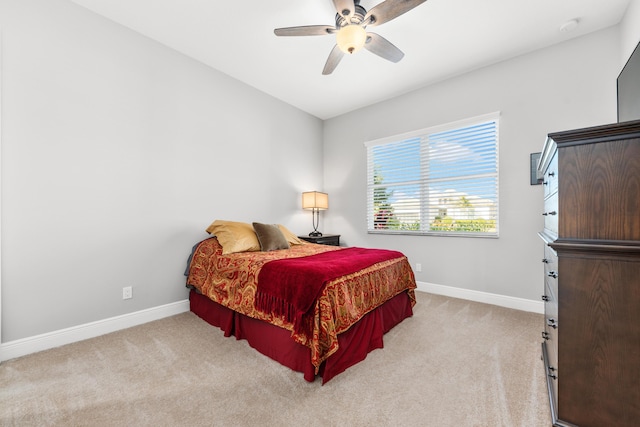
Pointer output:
x,y
24,346
484,297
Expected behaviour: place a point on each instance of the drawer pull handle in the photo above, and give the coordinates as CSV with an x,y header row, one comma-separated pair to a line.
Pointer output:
x,y
552,173
545,298
545,214
553,376
552,323
545,261
553,213
545,335
553,274
545,183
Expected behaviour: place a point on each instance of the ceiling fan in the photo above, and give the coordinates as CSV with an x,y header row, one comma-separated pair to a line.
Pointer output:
x,y
351,22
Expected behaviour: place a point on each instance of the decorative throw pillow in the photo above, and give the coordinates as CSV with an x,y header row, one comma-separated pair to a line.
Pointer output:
x,y
234,236
291,238
270,237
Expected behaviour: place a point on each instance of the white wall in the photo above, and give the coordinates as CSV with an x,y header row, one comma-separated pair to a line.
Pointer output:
x,y
630,31
117,153
566,86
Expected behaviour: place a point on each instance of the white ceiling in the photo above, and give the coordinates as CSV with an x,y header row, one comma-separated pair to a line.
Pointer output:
x,y
440,39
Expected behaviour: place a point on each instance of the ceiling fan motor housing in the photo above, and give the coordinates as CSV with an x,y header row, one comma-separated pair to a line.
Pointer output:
x,y
358,16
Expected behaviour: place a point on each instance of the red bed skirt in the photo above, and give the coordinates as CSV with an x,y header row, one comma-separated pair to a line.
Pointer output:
x,y
276,343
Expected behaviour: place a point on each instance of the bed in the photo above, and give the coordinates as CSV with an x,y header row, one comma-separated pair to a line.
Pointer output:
x,y
349,298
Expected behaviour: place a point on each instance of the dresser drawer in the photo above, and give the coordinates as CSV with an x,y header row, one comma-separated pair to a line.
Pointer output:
x,y
552,383
550,177
551,213
551,341
550,337
550,261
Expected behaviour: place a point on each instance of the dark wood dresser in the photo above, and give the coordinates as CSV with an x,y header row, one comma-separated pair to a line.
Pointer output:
x,y
591,338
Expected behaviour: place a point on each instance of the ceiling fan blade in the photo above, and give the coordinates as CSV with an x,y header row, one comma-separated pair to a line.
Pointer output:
x,y
344,7
388,10
383,48
308,30
333,60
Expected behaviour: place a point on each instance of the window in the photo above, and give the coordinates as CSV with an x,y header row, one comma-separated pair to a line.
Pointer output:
x,y
437,181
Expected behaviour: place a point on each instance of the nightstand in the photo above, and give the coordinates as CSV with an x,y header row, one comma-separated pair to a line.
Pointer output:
x,y
325,239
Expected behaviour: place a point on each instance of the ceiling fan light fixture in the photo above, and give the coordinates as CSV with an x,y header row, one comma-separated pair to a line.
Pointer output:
x,y
351,38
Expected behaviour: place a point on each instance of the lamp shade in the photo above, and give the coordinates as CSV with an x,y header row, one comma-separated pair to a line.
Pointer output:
x,y
315,200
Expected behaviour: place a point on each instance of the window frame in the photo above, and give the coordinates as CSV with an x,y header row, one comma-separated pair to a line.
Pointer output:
x,y
425,207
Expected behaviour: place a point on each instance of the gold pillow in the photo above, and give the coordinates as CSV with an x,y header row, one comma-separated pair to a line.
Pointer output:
x,y
234,236
291,238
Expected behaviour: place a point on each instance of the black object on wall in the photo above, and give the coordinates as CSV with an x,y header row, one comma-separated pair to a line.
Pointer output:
x,y
629,89
534,158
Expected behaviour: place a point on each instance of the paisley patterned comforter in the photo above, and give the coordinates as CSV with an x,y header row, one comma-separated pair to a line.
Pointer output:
x,y
231,280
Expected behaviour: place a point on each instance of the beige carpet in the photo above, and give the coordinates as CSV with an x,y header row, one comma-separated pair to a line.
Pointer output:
x,y
454,363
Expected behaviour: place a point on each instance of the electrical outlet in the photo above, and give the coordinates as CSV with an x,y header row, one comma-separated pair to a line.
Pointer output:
x,y
127,292
418,267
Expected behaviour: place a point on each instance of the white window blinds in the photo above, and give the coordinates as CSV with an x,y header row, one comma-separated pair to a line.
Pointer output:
x,y
442,180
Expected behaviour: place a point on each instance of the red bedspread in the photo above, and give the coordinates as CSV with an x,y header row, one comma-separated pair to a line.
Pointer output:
x,y
231,280
290,287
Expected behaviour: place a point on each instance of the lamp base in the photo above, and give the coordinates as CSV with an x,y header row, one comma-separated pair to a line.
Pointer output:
x,y
315,234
